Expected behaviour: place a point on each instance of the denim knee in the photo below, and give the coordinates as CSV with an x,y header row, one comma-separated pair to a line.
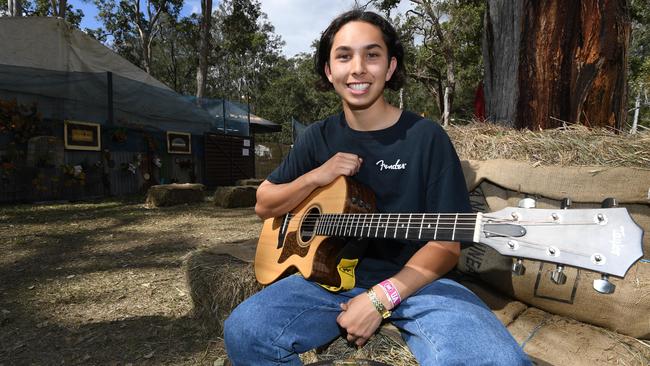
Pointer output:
x,y
237,333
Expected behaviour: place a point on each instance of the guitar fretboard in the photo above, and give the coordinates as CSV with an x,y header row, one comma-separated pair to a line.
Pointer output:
x,y
447,227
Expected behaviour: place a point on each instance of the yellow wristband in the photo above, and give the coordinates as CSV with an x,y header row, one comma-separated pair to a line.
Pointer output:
x,y
381,309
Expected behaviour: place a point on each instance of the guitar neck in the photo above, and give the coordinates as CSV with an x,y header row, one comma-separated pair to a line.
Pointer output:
x,y
443,227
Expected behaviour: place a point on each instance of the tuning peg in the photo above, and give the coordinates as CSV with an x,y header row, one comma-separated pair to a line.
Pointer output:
x,y
527,203
566,203
518,267
603,285
609,202
557,276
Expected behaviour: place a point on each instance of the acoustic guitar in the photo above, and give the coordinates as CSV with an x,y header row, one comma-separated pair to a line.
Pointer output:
x,y
311,238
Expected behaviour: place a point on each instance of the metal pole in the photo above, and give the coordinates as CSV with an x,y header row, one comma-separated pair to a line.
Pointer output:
x,y
223,106
109,82
248,105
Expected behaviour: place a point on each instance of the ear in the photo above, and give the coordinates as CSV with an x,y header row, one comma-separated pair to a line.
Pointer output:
x,y
391,68
328,72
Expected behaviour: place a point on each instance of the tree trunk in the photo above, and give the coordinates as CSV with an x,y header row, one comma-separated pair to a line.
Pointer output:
x,y
548,63
637,107
15,8
202,72
63,4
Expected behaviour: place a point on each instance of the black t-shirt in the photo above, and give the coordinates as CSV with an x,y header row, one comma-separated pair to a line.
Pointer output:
x,y
411,167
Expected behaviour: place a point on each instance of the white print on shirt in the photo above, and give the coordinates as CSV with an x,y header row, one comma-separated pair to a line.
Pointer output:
x,y
396,166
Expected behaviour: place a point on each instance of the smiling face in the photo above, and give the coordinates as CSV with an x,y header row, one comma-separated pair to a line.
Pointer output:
x,y
359,66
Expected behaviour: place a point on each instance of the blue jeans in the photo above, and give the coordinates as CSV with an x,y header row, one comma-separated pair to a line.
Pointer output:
x,y
443,324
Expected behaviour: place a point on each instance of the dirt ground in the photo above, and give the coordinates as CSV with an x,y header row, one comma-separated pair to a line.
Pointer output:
x,y
101,283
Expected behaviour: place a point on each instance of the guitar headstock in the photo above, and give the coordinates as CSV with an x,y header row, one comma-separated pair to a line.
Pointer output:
x,y
604,240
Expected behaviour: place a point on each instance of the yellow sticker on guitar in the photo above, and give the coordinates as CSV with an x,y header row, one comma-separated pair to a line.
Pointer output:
x,y
345,269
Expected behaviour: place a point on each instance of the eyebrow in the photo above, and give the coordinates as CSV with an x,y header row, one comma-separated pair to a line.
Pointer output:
x,y
368,47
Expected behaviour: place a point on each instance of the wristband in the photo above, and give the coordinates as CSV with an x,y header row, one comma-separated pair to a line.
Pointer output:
x,y
385,313
391,292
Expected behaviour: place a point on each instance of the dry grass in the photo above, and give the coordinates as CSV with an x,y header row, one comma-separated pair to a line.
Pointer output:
x,y
101,283
217,284
572,146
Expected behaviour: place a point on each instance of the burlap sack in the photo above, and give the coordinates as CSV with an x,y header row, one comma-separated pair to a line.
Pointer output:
x,y
555,340
503,183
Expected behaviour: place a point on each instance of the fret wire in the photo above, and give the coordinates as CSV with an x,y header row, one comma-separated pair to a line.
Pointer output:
x,y
329,224
396,225
355,229
351,223
377,229
386,226
454,232
339,225
435,233
408,227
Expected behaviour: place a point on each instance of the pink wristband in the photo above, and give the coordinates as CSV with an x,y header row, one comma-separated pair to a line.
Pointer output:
x,y
391,292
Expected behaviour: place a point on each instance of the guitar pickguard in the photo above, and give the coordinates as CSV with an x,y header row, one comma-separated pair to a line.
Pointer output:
x,y
292,247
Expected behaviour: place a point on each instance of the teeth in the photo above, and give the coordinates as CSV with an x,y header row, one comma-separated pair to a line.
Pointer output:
x,y
362,86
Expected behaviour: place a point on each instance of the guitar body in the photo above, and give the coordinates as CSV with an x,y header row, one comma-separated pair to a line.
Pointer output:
x,y
288,244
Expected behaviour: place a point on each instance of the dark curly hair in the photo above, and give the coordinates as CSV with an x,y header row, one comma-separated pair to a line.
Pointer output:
x,y
395,48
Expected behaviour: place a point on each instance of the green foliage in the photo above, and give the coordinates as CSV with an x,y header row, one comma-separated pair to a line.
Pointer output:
x,y
175,52
245,50
639,56
43,8
291,93
461,29
132,24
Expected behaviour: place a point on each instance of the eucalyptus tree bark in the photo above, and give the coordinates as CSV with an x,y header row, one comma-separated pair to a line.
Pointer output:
x,y
15,8
553,62
202,72
58,9
444,42
147,29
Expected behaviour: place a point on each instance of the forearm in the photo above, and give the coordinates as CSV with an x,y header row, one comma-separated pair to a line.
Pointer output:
x,y
277,199
274,200
429,263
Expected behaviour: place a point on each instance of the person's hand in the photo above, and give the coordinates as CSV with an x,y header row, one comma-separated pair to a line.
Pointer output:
x,y
340,164
359,318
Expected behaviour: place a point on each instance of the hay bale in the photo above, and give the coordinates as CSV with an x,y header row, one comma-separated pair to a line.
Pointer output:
x,y
557,340
235,196
381,348
249,182
217,283
572,146
174,194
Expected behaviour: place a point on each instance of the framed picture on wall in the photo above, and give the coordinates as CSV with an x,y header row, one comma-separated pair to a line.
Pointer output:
x,y
82,135
179,142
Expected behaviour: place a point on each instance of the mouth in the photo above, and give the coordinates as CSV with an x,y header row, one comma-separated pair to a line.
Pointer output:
x,y
359,87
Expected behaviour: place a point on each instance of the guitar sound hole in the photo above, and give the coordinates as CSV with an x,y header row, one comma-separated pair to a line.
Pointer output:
x,y
308,224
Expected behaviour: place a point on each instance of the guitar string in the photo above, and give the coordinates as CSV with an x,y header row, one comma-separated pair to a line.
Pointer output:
x,y
348,231
349,219
522,242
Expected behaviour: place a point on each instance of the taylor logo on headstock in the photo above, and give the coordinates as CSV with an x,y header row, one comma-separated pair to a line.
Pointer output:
x,y
617,240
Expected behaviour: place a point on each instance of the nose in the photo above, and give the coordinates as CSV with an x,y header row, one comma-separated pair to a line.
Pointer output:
x,y
358,65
